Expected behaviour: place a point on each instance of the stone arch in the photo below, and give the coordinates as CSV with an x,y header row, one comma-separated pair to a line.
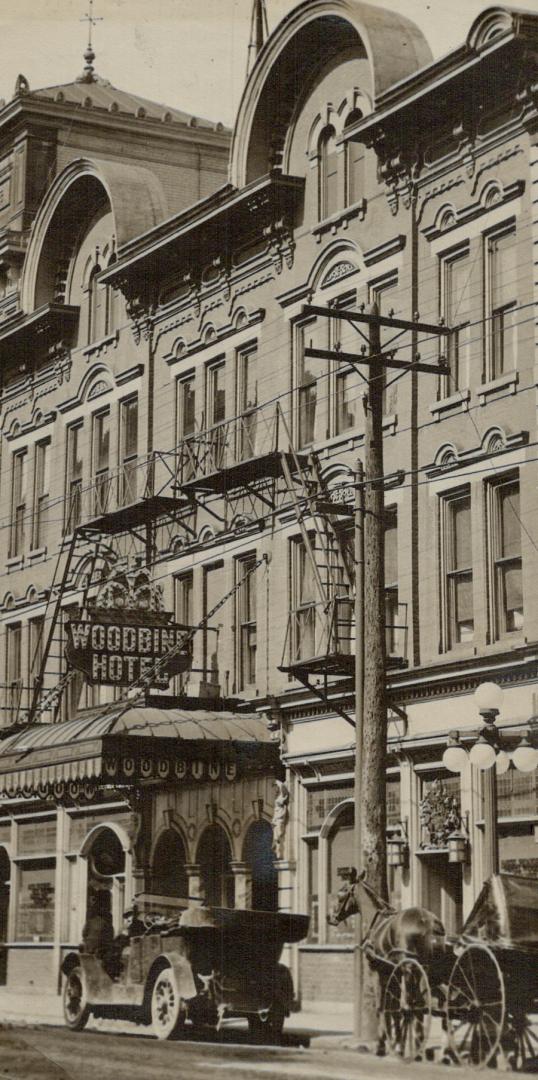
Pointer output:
x,y
214,853
106,850
314,33
446,455
132,193
493,23
168,860
339,252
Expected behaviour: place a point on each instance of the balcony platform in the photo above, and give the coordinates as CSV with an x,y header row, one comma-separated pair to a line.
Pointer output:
x,y
231,477
136,515
342,664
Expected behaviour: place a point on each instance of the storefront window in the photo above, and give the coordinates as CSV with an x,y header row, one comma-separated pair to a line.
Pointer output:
x,y
35,909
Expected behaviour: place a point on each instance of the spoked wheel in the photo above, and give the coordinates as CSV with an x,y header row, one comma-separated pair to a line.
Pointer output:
x,y
475,1007
407,1009
168,1010
75,1007
520,1043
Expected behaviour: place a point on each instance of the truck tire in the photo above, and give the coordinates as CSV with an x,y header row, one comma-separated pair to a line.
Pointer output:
x,y
168,1010
75,1006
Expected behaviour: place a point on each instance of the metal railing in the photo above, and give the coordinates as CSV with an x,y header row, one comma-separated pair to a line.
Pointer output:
x,y
229,443
314,630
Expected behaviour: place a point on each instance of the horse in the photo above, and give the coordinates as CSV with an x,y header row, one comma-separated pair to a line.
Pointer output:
x,y
389,934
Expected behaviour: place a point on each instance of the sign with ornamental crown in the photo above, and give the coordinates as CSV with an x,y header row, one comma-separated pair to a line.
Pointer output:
x,y
126,636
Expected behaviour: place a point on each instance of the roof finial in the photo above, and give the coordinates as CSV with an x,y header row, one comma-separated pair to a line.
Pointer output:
x,y
88,75
259,32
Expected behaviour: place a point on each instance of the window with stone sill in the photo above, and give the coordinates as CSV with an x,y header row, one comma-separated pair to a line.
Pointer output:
x,y
505,560
328,174
41,493
13,676
501,303
73,478
454,309
184,614
354,158
216,412
384,293
128,450
101,479
19,473
186,422
457,614
246,624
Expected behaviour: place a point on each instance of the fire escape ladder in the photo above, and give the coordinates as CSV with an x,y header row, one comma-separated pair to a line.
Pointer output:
x,y
53,676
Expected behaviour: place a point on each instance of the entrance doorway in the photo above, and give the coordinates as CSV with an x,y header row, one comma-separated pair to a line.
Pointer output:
x,y
443,891
259,857
106,871
169,876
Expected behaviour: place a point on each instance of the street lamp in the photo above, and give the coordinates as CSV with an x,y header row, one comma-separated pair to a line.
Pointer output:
x,y
488,754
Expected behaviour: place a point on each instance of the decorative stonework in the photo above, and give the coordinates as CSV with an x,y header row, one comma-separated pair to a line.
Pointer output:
x,y
439,816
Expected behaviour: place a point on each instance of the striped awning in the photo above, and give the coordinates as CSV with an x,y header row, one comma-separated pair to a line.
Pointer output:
x,y
115,748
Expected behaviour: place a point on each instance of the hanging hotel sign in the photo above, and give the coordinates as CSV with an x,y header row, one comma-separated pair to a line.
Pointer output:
x,y
126,636
119,653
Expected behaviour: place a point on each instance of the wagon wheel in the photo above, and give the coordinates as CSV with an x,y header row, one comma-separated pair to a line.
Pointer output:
x,y
520,1044
407,1009
475,1006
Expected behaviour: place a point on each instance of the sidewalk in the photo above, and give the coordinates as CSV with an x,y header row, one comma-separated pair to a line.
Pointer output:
x,y
329,1025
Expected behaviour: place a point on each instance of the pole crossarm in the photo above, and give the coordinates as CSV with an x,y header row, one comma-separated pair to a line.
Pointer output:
x,y
386,359
378,320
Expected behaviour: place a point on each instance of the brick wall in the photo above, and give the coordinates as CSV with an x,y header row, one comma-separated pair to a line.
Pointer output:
x,y
326,975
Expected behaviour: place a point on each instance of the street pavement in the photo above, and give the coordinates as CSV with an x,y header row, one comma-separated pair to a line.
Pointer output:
x,y
58,1054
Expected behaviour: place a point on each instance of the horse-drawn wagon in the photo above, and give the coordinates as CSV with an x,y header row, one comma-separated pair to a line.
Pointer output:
x,y
201,966
483,985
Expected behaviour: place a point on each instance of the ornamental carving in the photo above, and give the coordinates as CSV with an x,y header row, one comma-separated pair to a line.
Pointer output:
x,y
439,816
281,245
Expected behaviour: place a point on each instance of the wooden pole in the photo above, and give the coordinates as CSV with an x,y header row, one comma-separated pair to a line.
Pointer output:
x,y
359,704
491,836
372,806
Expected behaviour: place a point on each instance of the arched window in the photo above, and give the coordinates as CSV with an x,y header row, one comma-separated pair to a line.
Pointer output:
x,y
5,876
258,855
214,857
169,875
354,164
328,174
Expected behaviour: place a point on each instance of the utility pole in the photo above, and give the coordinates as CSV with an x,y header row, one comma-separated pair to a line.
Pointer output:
x,y
370,661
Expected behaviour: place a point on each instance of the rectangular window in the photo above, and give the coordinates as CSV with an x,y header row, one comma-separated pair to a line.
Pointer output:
x,y
183,607
246,624
454,307
35,650
186,423
457,569
247,387
501,292
383,293
74,467
101,461
303,603
344,380
41,493
128,450
13,671
506,569
18,502
393,636
355,172
213,592
311,335
216,414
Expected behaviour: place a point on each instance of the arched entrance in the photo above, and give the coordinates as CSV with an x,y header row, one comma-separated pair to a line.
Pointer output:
x,y
169,877
259,857
106,870
214,857
5,878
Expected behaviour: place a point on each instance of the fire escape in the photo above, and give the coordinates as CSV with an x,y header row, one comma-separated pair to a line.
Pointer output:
x,y
239,465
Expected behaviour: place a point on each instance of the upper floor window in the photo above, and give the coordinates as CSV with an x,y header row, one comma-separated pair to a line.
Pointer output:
x,y
13,669
36,640
354,164
41,492
18,501
74,477
391,583
185,425
247,399
344,380
457,567
455,310
128,450
213,591
505,556
328,174
312,335
501,303
216,410
183,607
383,293
246,623
303,602
101,461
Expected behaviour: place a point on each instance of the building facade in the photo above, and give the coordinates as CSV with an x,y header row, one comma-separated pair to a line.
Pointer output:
x,y
360,171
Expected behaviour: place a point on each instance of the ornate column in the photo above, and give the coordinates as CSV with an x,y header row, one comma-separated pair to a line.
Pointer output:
x,y
195,891
242,884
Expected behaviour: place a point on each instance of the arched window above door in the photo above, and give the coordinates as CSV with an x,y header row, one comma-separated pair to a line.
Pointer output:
x,y
214,856
169,877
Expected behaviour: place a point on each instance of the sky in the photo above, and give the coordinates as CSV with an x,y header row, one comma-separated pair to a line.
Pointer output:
x,y
190,54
